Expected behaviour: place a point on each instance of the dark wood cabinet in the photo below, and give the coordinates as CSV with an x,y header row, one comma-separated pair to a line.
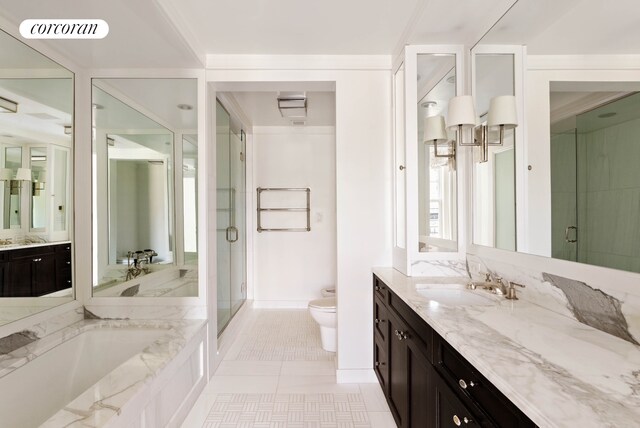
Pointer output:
x,y
36,271
426,382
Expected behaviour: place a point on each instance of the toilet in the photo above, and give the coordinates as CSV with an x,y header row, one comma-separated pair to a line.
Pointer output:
x,y
323,311
328,292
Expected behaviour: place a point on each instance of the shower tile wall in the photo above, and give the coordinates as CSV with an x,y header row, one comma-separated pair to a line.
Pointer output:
x,y
607,177
609,186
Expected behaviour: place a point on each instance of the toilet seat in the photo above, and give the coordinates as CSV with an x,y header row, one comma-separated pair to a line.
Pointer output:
x,y
327,304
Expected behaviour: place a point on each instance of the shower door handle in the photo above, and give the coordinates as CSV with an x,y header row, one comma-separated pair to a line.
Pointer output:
x,y
566,234
229,230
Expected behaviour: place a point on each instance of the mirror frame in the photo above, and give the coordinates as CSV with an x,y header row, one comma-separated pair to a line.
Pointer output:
x,y
75,186
404,259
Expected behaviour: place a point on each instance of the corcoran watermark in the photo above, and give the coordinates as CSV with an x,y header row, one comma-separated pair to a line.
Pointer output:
x,y
64,29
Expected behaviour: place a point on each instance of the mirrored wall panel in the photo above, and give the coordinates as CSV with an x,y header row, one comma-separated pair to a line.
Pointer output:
x,y
581,198
36,124
144,205
595,180
437,187
494,194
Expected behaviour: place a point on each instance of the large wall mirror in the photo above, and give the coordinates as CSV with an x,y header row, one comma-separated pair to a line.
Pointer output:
x,y
145,157
36,170
437,188
580,194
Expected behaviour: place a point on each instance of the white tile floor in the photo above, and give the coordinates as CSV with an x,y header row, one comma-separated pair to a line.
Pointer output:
x,y
276,375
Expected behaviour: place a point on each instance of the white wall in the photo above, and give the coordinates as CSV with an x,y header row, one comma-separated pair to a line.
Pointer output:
x,y
363,179
291,267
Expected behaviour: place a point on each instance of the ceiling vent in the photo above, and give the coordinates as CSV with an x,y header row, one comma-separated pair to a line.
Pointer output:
x,y
298,122
292,104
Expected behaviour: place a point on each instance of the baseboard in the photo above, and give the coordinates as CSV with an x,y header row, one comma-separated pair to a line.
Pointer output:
x,y
356,376
280,304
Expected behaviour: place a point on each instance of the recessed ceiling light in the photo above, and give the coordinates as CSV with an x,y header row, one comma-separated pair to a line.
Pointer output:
x,y
185,107
451,79
607,115
428,104
97,106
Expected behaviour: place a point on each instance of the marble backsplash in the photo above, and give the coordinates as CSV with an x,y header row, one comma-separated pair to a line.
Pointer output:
x,y
434,268
591,304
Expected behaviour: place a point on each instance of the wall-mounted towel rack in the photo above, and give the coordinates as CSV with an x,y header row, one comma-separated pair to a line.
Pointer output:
x,y
306,210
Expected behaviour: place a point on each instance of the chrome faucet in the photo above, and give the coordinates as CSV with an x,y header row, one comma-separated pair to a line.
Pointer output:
x,y
496,287
138,263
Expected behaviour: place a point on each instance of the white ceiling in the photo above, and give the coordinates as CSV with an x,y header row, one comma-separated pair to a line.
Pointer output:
x,y
166,33
140,34
261,108
161,97
588,27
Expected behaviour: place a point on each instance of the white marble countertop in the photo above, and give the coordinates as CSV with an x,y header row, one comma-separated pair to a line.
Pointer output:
x,y
559,372
97,405
19,246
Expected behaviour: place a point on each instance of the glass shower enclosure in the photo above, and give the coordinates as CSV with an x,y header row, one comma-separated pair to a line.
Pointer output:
x,y
595,186
231,228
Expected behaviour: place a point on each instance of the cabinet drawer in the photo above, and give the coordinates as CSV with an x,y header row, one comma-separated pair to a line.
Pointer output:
x,y
63,248
33,252
379,289
463,377
381,362
380,320
449,410
422,331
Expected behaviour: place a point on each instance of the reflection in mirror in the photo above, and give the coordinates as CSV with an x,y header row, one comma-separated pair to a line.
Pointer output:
x,y
494,204
437,189
11,188
36,111
595,180
190,197
38,158
141,127
399,156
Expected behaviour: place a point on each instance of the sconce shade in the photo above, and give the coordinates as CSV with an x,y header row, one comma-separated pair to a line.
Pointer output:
x,y
24,174
434,129
502,111
6,174
461,112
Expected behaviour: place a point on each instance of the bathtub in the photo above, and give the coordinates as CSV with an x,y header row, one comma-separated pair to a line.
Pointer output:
x,y
87,375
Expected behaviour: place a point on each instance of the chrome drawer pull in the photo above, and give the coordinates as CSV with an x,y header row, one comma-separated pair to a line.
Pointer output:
x,y
378,321
378,364
68,263
37,260
458,421
401,335
464,384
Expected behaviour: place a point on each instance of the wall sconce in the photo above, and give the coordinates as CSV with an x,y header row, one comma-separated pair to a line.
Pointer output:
x,y
23,174
38,184
434,133
8,106
462,117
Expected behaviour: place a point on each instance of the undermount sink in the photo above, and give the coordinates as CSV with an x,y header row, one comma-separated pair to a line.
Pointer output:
x,y
453,295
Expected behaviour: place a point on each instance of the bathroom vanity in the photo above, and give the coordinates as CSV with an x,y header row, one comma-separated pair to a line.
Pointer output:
x,y
35,270
427,383
494,363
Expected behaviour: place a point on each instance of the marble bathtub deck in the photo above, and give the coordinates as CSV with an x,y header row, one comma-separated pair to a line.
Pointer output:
x,y
105,399
559,372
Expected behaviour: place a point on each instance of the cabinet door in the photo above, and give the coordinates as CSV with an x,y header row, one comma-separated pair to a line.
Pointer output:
x,y
449,410
44,274
398,392
20,278
418,376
